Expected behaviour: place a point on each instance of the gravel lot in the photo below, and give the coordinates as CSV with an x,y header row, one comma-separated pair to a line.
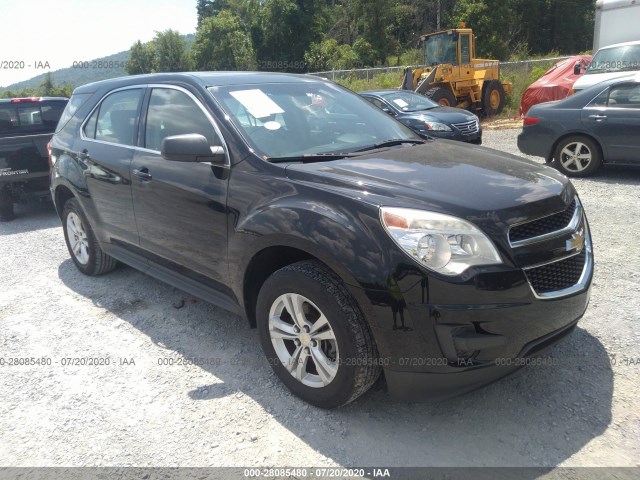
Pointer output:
x,y
147,408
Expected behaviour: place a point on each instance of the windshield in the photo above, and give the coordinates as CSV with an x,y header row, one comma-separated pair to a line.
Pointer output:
x,y
409,102
440,49
295,119
616,59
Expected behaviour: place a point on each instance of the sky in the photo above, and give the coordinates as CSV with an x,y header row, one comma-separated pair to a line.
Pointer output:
x,y
59,32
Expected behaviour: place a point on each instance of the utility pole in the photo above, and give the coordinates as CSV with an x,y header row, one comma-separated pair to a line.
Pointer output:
x,y
438,17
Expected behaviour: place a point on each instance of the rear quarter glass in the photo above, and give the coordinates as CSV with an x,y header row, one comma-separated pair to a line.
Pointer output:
x,y
76,101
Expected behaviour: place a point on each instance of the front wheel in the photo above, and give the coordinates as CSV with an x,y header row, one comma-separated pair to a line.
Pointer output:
x,y
81,241
577,156
315,336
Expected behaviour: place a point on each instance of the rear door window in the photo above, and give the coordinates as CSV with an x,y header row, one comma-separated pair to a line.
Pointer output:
x,y
116,119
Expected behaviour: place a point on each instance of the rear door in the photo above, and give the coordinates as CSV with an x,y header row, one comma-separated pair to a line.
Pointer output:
x,y
180,207
104,152
614,118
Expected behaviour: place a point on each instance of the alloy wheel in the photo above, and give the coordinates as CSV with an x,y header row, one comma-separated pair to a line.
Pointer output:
x,y
78,238
303,339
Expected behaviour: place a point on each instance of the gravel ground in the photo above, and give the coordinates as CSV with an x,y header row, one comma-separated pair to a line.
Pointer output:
x,y
149,408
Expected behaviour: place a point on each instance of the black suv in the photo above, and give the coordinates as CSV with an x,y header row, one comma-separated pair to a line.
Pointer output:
x,y
352,244
26,126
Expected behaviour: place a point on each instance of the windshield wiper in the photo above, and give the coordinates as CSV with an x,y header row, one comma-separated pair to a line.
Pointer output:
x,y
390,143
312,157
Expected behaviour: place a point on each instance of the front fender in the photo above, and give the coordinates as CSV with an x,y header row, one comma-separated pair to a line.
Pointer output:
x,y
347,239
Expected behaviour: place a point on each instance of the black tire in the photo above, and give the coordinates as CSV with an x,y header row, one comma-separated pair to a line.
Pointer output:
x,y
442,96
353,354
89,258
577,156
493,98
6,203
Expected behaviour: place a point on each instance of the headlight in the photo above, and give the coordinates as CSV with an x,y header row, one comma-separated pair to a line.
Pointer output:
x,y
437,126
445,244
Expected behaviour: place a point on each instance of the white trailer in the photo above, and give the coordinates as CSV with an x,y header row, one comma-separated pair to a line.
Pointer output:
x,y
616,21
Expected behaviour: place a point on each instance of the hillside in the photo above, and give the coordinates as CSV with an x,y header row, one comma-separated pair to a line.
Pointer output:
x,y
79,76
92,71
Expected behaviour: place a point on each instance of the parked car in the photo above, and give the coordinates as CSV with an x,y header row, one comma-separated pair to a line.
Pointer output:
x,y
597,125
352,244
26,126
427,117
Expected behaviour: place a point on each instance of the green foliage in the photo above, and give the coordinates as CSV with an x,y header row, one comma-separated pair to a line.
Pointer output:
x,y
170,52
521,78
46,88
379,81
141,59
410,58
221,44
329,55
167,52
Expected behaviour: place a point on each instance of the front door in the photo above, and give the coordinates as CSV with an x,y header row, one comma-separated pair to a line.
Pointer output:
x,y
614,118
180,207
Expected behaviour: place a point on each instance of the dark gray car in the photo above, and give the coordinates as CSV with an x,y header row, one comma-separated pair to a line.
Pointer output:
x,y
600,124
427,117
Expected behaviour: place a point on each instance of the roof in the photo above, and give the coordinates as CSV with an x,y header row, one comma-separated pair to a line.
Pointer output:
x,y
611,4
385,91
205,79
623,44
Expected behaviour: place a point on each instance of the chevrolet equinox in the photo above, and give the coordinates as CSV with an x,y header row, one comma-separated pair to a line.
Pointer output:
x,y
353,244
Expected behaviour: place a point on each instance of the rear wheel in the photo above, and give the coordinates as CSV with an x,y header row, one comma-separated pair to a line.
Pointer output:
x,y
81,241
442,96
577,156
314,335
6,203
493,98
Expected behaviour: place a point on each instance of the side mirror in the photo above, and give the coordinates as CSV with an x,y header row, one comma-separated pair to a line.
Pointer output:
x,y
576,68
386,110
191,147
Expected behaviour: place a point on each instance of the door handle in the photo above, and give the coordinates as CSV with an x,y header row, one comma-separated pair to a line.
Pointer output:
x,y
598,117
143,174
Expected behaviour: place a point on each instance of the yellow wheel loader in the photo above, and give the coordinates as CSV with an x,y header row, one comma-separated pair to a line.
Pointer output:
x,y
452,76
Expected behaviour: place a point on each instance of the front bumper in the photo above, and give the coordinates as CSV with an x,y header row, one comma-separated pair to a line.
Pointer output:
x,y
444,337
412,386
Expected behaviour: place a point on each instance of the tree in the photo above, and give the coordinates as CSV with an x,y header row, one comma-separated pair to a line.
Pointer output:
x,y
209,8
141,59
170,52
494,23
46,87
222,44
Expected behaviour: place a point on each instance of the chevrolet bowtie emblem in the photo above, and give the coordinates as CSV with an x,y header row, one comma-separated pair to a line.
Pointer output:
x,y
576,242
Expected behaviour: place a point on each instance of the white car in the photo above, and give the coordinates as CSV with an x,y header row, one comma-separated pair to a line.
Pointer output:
x,y
610,62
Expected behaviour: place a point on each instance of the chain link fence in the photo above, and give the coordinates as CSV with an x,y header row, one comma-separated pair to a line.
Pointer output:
x,y
367,74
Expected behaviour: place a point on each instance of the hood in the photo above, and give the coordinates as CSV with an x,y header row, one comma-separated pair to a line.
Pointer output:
x,y
589,79
440,114
445,176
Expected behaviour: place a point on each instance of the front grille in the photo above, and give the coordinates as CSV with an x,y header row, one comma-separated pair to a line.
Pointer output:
x,y
542,226
468,128
557,275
